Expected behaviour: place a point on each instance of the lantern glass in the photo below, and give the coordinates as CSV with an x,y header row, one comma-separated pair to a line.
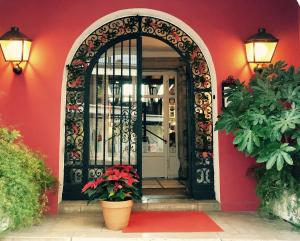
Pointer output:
x,y
260,52
26,50
15,50
263,51
250,52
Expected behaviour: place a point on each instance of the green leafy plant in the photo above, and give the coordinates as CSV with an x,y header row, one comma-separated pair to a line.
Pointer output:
x,y
24,179
264,118
117,183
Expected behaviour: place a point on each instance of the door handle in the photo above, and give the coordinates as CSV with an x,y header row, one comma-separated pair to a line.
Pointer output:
x,y
164,140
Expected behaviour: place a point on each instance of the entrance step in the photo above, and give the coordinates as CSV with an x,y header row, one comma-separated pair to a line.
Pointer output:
x,y
153,203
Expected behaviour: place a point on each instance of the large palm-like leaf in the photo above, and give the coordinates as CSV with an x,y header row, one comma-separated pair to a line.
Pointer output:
x,y
247,139
291,93
288,120
280,155
228,122
256,116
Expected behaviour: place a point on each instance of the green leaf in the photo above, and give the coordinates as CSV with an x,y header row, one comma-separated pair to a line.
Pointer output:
x,y
256,140
287,158
271,161
261,160
287,120
275,153
110,190
246,139
279,156
291,93
280,162
289,149
227,121
237,139
122,195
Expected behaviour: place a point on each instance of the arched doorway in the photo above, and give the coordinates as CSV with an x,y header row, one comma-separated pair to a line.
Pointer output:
x,y
78,167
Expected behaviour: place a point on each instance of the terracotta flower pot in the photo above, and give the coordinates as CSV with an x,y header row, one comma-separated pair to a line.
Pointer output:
x,y
116,214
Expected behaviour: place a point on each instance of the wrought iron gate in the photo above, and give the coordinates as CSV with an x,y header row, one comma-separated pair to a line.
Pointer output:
x,y
103,104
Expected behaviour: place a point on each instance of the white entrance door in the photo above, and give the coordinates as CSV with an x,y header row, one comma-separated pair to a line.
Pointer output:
x,y
160,157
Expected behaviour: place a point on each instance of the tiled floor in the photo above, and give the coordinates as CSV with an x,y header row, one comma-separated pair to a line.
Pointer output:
x,y
162,183
246,226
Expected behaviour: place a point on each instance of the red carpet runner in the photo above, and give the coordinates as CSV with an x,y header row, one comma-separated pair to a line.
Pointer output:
x,y
181,221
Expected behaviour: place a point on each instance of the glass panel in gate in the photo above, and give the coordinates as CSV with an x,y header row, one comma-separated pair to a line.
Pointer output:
x,y
112,113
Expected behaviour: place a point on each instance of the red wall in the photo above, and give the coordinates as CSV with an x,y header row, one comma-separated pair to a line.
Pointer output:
x,y
31,102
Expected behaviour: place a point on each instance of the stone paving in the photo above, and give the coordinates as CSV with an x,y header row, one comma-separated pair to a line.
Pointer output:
x,y
246,226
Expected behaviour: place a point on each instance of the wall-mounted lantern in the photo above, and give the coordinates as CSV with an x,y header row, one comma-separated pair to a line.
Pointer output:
x,y
260,47
15,47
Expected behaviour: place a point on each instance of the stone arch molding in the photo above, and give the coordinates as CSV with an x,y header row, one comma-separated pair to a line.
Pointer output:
x,y
175,33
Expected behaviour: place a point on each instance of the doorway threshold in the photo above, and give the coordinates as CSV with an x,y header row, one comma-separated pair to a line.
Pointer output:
x,y
175,203
163,198
146,204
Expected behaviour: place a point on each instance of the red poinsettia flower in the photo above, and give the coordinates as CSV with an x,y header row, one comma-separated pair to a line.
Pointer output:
x,y
99,181
113,178
88,185
130,181
115,184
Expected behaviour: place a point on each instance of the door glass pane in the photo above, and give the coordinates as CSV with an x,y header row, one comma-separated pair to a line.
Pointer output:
x,y
152,85
153,134
96,109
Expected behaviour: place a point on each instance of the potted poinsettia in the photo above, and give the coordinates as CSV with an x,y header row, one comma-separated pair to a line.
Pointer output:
x,y
116,189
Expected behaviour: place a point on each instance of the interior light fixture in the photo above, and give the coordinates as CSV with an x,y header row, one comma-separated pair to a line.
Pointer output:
x,y
260,47
15,47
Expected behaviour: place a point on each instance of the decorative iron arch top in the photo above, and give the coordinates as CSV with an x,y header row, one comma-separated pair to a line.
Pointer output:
x,y
144,25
